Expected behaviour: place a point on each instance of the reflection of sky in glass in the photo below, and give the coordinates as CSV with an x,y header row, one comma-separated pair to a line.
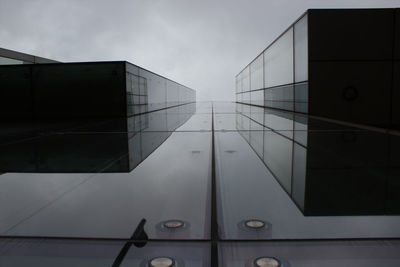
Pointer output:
x,y
269,167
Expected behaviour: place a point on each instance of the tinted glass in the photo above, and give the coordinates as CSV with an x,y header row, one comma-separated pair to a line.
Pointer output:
x,y
69,207
301,50
46,195
246,79
301,97
256,73
323,253
278,61
256,173
295,186
257,97
25,252
279,97
9,61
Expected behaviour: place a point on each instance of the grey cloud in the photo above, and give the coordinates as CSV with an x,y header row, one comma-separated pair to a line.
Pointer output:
x,y
202,44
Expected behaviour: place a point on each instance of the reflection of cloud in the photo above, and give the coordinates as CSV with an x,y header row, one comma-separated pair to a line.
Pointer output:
x,y
202,44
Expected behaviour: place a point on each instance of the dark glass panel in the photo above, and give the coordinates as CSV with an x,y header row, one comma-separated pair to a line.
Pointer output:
x,y
39,252
397,34
348,91
66,153
338,173
396,96
301,50
113,204
278,157
322,253
15,93
279,97
79,90
301,97
356,34
48,253
181,253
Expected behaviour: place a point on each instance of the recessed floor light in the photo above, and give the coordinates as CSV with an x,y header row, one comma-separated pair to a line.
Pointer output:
x,y
161,262
173,224
254,224
266,262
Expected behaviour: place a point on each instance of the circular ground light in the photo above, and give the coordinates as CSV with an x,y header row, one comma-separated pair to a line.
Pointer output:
x,y
173,224
267,262
161,262
254,224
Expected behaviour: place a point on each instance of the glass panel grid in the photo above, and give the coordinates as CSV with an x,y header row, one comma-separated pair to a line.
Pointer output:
x,y
264,160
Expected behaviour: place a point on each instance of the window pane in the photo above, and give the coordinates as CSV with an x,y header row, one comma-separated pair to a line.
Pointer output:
x,y
301,97
301,50
256,73
280,97
328,253
278,158
245,80
246,98
278,61
111,205
257,97
9,61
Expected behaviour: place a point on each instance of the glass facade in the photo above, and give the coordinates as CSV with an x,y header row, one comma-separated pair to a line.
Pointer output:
x,y
256,73
147,91
306,164
324,253
100,253
330,63
278,61
46,154
87,90
199,184
126,169
300,29
276,72
9,61
10,57
296,150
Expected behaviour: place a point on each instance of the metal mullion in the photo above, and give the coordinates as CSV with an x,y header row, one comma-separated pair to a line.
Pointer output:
x,y
214,220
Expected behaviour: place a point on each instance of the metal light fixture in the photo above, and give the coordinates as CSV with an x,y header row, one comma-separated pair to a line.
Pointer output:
x,y
254,224
173,224
162,262
267,262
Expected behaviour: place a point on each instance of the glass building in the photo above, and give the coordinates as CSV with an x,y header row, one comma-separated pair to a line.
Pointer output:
x,y
86,90
10,57
176,182
338,63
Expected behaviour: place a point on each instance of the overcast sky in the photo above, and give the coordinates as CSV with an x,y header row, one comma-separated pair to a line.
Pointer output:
x,y
202,44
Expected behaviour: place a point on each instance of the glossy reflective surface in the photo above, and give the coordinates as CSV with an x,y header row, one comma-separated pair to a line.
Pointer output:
x,y
306,178
80,182
321,253
154,192
29,252
324,65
